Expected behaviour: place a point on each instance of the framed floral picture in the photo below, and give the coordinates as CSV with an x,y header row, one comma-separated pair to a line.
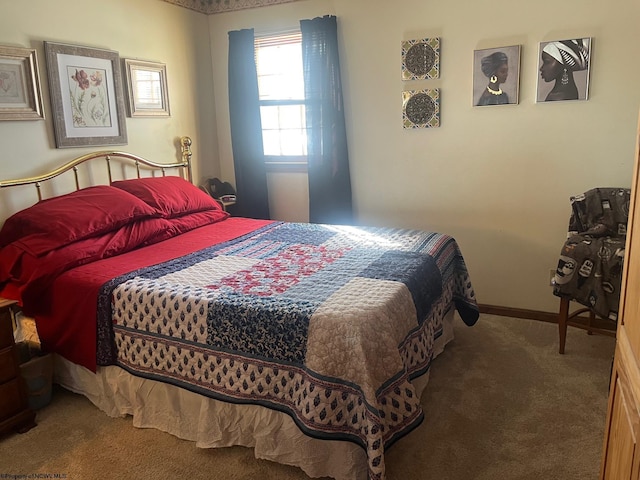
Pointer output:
x,y
86,96
20,96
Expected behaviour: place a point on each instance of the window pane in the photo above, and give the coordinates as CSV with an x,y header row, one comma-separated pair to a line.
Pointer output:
x,y
285,127
271,142
280,72
292,116
284,142
269,116
293,142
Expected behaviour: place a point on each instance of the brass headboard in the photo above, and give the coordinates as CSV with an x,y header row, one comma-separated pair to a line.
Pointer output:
x,y
184,166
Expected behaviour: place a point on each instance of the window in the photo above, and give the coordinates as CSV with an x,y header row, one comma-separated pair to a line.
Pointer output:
x,y
281,93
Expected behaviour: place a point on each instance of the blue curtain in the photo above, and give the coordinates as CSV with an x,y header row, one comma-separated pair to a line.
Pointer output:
x,y
246,128
328,158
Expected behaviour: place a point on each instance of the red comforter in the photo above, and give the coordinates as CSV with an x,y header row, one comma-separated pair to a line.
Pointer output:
x,y
60,289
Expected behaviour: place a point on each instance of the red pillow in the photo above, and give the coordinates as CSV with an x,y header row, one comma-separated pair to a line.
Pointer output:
x,y
59,221
190,221
172,196
29,274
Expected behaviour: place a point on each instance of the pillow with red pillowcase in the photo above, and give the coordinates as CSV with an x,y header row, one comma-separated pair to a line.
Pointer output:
x,y
19,259
88,212
171,196
189,221
25,274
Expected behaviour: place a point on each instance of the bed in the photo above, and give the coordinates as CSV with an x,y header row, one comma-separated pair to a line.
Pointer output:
x,y
310,343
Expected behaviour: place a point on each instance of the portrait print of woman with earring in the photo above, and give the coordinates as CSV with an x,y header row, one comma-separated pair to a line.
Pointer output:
x,y
564,66
496,68
495,77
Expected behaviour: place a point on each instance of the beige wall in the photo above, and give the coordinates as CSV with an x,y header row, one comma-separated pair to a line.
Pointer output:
x,y
496,178
144,29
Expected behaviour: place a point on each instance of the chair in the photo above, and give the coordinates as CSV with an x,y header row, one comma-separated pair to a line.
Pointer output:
x,y
589,269
222,192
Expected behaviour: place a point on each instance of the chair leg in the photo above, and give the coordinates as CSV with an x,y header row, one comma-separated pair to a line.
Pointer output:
x,y
563,317
592,317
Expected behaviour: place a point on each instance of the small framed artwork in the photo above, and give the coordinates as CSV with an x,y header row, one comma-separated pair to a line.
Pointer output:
x,y
496,76
421,59
20,96
564,67
86,96
421,108
147,88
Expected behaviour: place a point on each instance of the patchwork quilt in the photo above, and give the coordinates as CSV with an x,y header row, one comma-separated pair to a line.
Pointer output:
x,y
328,324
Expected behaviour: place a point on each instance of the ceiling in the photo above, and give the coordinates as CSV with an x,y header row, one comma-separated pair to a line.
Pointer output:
x,y
218,6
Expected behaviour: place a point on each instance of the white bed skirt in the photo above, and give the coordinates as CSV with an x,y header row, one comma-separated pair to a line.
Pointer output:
x,y
213,424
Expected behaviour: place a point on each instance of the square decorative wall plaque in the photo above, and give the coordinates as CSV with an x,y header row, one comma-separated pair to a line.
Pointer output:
x,y
421,108
421,59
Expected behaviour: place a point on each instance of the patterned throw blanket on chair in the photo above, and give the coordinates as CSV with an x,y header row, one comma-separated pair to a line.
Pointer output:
x,y
329,324
590,265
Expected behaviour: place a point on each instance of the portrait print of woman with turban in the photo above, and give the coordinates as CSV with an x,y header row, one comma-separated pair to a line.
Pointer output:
x,y
496,68
493,69
560,60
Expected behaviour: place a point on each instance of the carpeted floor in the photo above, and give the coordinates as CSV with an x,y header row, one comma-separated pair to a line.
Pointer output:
x,y
501,404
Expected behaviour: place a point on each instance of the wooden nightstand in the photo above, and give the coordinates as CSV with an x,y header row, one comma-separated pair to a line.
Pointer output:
x,y
14,408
